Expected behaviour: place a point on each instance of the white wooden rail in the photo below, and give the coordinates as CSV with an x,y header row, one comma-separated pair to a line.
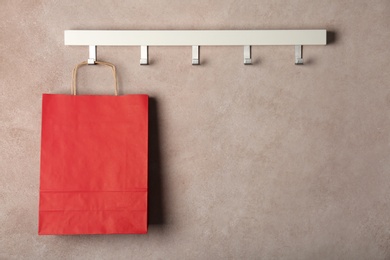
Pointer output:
x,y
195,38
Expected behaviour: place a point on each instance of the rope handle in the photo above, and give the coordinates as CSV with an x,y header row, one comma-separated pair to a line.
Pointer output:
x,y
74,75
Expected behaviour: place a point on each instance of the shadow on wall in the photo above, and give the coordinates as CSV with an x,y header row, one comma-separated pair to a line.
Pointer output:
x,y
155,185
331,37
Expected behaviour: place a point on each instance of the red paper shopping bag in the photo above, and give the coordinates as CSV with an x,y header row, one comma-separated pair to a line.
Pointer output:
x,y
94,161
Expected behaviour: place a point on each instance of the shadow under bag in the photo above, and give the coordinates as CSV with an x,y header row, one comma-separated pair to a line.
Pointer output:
x,y
94,158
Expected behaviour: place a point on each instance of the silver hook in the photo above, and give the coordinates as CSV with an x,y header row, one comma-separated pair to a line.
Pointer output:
x,y
298,55
92,54
195,55
144,55
247,55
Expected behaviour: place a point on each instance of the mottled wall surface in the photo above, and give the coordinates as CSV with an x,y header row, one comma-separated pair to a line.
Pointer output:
x,y
269,161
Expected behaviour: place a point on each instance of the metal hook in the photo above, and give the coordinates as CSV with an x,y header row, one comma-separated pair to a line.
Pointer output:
x,y
144,55
247,55
92,54
298,55
195,55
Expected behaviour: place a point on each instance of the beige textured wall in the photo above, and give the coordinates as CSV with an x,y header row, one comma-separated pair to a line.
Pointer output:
x,y
270,161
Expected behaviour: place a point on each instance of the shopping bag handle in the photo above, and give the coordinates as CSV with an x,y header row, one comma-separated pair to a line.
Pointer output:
x,y
74,75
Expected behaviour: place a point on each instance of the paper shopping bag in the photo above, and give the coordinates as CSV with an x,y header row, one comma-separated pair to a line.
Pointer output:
x,y
94,157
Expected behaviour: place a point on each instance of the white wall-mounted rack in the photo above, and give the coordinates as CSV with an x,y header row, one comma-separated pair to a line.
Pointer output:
x,y
194,38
